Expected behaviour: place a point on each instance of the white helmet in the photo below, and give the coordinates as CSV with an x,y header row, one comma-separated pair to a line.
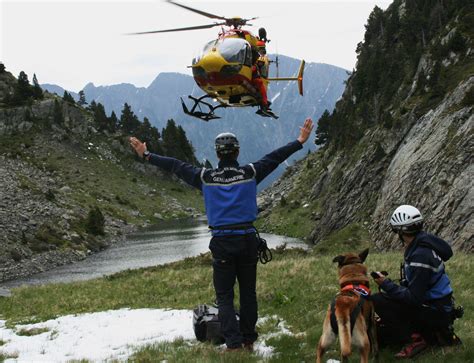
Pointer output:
x,y
406,218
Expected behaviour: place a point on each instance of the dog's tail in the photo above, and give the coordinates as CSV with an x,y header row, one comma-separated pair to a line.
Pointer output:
x,y
344,326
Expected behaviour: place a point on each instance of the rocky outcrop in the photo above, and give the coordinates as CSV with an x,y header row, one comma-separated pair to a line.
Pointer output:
x,y
433,168
417,148
429,163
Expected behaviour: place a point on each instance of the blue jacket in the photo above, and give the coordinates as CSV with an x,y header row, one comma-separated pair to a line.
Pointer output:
x,y
230,190
426,278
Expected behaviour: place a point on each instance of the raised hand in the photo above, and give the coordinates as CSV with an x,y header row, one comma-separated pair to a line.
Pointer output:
x,y
305,130
137,145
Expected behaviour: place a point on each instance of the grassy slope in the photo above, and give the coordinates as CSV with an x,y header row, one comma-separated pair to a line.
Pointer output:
x,y
115,187
289,217
297,286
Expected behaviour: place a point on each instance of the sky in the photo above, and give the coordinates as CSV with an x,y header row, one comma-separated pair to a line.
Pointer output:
x,y
71,43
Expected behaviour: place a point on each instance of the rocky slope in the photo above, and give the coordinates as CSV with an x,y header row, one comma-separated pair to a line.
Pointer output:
x,y
53,174
418,148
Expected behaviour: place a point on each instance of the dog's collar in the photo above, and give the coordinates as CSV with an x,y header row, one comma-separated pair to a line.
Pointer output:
x,y
358,288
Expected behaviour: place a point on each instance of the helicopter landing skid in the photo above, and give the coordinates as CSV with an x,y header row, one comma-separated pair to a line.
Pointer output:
x,y
266,113
205,116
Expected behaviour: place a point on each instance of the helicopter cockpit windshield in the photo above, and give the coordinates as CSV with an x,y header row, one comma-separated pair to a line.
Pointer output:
x,y
235,50
204,51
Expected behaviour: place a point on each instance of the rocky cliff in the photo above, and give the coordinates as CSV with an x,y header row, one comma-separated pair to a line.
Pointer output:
x,y
403,137
55,168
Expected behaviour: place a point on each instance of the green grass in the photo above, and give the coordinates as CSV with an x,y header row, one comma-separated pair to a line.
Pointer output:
x,y
297,286
31,332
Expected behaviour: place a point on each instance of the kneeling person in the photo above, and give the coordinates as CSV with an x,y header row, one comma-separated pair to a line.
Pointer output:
x,y
420,309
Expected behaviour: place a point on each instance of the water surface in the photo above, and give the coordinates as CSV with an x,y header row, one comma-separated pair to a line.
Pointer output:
x,y
163,243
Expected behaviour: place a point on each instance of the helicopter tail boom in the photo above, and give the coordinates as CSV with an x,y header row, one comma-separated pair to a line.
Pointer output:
x,y
299,78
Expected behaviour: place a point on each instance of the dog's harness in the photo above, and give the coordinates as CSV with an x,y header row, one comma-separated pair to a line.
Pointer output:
x,y
358,290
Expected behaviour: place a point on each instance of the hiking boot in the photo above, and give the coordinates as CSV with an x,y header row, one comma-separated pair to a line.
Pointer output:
x,y
266,113
416,346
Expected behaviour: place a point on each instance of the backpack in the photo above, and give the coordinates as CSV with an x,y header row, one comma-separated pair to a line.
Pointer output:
x,y
206,324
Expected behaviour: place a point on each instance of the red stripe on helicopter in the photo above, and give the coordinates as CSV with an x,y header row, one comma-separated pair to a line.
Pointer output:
x,y
218,79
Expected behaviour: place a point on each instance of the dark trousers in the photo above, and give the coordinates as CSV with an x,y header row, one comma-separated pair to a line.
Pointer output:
x,y
235,257
399,320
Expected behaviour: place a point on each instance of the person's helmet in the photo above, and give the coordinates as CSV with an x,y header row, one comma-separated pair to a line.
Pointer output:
x,y
261,47
407,219
226,143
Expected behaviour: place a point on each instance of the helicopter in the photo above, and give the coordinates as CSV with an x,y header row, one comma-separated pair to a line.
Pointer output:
x,y
232,70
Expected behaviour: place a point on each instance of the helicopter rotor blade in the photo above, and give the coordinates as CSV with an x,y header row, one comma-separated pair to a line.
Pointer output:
x,y
179,29
209,15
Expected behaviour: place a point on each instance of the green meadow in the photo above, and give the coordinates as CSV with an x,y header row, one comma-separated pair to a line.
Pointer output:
x,y
297,286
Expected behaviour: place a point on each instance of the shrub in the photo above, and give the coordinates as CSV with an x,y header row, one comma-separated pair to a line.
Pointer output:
x,y
50,195
16,255
95,222
469,98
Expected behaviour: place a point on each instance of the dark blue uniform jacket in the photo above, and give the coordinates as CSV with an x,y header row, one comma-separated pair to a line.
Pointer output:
x,y
426,278
230,191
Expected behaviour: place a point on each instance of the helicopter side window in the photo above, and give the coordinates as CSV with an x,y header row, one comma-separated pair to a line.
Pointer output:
x,y
234,50
248,56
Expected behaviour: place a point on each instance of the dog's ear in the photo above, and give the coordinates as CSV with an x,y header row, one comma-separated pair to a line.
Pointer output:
x,y
363,255
339,259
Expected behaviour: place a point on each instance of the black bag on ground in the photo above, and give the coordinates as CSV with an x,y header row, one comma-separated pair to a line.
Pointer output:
x,y
206,324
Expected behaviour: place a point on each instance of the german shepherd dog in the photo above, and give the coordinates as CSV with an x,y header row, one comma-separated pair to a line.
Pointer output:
x,y
351,314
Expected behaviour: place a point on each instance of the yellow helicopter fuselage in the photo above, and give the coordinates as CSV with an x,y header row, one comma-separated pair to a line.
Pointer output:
x,y
226,67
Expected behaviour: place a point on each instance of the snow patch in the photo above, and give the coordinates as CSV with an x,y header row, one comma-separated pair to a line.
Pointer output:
x,y
261,348
111,335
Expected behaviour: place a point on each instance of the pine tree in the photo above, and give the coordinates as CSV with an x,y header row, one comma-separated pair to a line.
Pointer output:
x,y
149,134
129,122
37,91
2,68
82,98
23,90
176,144
170,137
186,147
113,122
100,117
58,117
68,98
323,129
